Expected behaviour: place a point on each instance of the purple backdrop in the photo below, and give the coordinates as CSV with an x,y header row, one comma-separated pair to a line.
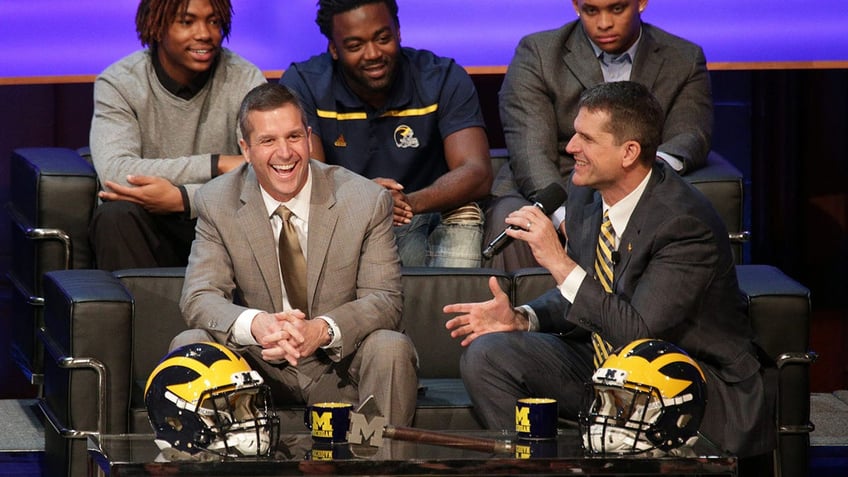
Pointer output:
x,y
81,37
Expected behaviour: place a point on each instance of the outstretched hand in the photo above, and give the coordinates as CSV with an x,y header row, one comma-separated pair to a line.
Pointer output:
x,y
478,319
156,194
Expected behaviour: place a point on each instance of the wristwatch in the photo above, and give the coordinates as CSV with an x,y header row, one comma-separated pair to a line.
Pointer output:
x,y
330,332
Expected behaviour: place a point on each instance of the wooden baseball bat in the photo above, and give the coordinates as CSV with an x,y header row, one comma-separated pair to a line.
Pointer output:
x,y
449,440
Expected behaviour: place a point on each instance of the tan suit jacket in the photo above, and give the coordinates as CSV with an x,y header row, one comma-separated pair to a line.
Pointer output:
x,y
353,270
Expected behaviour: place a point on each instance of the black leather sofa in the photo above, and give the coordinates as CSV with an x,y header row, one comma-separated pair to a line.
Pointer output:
x,y
105,331
53,195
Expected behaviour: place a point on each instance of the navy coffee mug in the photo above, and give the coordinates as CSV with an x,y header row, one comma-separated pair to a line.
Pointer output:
x,y
536,418
329,421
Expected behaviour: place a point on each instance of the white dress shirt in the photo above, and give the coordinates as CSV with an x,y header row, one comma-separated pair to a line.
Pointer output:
x,y
299,206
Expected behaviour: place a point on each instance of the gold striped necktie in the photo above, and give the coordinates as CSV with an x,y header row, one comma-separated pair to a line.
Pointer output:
x,y
603,271
292,263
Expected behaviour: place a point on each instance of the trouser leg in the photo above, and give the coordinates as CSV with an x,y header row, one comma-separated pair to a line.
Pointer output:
x,y
124,235
517,254
499,368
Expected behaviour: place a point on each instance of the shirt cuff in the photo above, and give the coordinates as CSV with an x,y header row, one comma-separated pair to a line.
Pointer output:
x,y
531,317
241,334
571,284
186,203
337,333
215,158
558,216
672,161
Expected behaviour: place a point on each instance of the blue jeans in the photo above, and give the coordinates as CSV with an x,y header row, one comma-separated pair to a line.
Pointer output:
x,y
442,240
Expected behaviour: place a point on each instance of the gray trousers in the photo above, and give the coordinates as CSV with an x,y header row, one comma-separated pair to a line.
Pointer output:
x,y
499,368
385,365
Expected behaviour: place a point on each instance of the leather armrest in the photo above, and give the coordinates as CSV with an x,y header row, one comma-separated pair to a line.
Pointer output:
x,y
54,189
87,316
779,308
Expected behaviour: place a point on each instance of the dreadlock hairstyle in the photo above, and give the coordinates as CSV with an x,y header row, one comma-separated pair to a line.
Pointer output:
x,y
154,17
327,9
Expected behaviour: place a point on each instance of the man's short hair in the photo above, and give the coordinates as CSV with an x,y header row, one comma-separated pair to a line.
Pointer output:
x,y
267,97
154,17
327,9
634,114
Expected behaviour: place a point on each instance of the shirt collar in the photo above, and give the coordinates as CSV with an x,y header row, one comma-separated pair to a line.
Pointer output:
x,y
299,204
600,54
184,91
620,213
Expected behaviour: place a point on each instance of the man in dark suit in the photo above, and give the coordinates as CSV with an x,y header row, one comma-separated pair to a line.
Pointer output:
x,y
342,343
549,71
673,279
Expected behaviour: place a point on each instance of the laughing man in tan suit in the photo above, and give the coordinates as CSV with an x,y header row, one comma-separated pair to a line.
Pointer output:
x,y
344,346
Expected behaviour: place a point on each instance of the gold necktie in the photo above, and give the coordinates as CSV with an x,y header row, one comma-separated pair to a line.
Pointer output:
x,y
292,263
603,271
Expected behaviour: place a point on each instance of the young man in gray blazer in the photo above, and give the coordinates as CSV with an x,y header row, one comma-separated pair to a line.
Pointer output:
x,y
674,279
549,71
343,345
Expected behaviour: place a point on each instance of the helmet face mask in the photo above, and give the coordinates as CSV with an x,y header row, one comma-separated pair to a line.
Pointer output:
x,y
648,397
203,398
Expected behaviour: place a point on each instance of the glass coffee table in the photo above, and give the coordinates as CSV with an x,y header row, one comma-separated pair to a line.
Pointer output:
x,y
137,455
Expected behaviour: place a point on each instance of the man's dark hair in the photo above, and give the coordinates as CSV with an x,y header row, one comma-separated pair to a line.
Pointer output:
x,y
634,114
154,17
266,97
327,9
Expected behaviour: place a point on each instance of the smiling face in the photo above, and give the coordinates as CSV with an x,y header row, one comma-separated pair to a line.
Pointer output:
x,y
366,44
191,43
278,147
598,159
613,25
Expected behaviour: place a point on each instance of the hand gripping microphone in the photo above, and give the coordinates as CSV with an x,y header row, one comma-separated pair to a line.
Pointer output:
x,y
547,200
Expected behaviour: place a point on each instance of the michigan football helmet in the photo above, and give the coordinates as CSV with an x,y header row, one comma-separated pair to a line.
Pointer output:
x,y
205,397
648,396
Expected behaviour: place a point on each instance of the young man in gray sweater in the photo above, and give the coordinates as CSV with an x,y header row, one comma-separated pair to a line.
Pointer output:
x,y
164,124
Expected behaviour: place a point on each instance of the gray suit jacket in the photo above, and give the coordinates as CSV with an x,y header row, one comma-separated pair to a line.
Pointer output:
x,y
353,270
675,281
549,71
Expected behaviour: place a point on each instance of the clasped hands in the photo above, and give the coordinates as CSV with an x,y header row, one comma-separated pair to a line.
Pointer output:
x,y
288,335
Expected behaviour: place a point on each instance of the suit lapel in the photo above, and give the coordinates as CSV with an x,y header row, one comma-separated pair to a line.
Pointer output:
x,y
252,218
577,57
630,240
589,231
649,60
323,217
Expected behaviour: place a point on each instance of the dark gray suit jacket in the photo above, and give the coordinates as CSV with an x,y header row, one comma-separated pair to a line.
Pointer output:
x,y
549,71
676,281
353,270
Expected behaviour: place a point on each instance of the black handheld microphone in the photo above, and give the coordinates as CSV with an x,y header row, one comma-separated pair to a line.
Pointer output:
x,y
547,200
